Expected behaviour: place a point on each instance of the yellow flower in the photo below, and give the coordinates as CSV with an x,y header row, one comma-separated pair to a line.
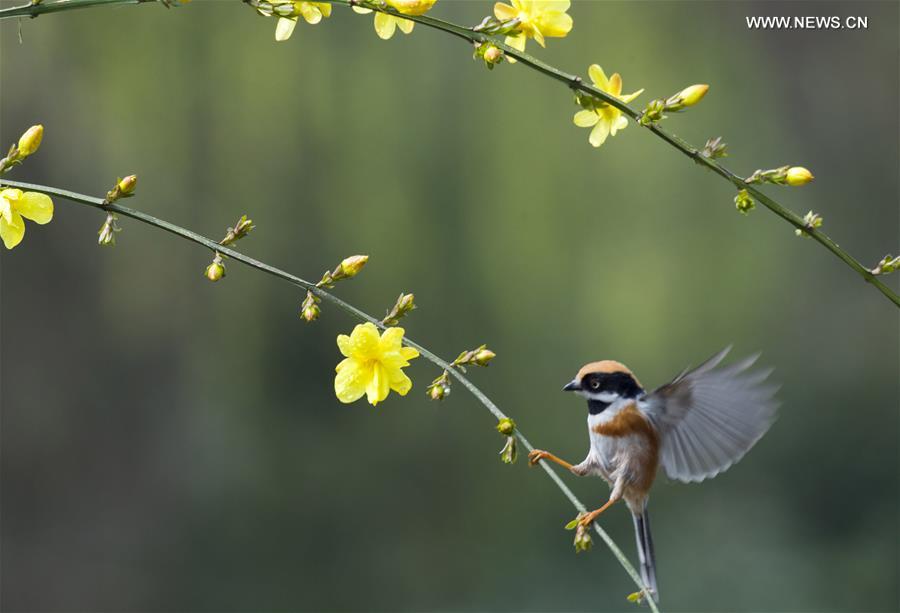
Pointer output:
x,y
372,365
386,25
312,12
605,119
537,19
16,204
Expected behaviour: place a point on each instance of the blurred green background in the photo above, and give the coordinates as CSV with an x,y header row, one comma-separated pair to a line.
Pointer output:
x,y
173,445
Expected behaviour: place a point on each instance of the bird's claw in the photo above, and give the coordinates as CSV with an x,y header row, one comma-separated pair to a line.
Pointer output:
x,y
587,520
535,456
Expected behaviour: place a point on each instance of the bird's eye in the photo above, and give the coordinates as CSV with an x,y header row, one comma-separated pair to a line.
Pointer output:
x,y
595,385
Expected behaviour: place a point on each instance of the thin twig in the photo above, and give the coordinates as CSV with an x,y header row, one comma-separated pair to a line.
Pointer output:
x,y
216,247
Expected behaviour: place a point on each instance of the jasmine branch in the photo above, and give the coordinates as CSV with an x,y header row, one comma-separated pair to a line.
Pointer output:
x,y
217,247
572,81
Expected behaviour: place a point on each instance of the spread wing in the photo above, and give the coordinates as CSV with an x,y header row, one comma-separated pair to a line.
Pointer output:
x,y
709,417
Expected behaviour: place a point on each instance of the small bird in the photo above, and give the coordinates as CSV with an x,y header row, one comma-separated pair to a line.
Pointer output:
x,y
697,426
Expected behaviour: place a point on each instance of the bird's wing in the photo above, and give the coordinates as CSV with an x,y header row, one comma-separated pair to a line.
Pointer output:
x,y
709,417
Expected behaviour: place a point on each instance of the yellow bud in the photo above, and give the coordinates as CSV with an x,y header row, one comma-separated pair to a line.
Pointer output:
x,y
440,387
506,426
798,175
309,310
411,7
126,186
484,356
216,270
492,55
351,266
693,94
31,140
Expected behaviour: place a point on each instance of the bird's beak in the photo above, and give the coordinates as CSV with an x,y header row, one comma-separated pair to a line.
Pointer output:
x,y
572,386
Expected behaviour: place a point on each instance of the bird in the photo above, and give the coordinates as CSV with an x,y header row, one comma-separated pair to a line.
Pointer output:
x,y
694,427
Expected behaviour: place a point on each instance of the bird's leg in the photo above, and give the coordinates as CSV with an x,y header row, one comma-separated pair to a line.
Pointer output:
x,y
537,455
616,494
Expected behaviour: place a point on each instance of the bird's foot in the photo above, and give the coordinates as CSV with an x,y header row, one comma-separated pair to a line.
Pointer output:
x,y
536,455
588,519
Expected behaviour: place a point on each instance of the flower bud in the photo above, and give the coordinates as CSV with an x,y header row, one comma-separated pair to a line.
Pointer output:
x,y
30,141
440,387
351,266
309,310
811,221
107,233
493,55
411,7
216,270
635,597
240,230
126,186
690,96
887,265
506,426
347,269
122,189
714,148
510,452
744,202
798,175
484,356
479,356
405,303
653,112
583,541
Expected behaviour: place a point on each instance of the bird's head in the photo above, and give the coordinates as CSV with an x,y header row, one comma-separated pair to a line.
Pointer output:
x,y
604,383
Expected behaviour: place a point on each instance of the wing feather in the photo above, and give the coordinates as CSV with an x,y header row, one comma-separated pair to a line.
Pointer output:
x,y
709,417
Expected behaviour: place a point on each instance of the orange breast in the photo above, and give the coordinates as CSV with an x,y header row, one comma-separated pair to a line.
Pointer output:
x,y
643,455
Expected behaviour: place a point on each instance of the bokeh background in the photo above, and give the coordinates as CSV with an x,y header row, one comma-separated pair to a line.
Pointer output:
x,y
169,444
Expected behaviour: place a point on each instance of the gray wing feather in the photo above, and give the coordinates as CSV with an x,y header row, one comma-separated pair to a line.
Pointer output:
x,y
709,417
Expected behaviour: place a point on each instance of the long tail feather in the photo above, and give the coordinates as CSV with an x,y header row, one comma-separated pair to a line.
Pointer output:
x,y
646,555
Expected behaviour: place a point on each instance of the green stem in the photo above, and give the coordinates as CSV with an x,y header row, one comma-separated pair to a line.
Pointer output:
x,y
216,247
34,10
574,82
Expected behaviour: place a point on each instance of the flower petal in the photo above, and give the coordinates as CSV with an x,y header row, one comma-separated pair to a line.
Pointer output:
x,y
365,341
385,25
516,42
352,380
379,386
310,12
34,206
12,229
285,28
391,339
554,23
362,11
400,383
586,119
630,97
345,345
615,84
598,77
409,353
405,25
620,123
325,8
599,133
504,11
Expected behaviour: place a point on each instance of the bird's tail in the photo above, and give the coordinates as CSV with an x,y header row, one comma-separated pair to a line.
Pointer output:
x,y
645,552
